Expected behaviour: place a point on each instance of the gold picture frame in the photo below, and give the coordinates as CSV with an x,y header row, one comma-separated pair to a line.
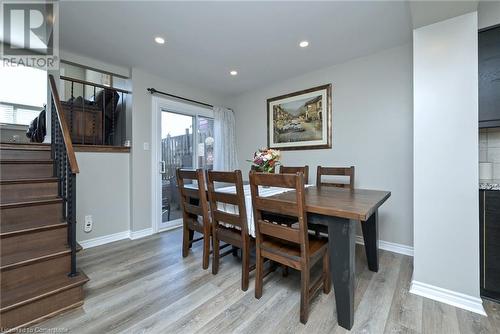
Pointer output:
x,y
300,120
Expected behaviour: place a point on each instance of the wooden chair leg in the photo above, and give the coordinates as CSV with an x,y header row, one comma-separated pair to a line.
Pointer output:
x,y
304,295
185,240
215,247
206,249
259,275
245,266
327,280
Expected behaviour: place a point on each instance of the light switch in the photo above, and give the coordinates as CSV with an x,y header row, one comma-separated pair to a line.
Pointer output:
x,y
146,146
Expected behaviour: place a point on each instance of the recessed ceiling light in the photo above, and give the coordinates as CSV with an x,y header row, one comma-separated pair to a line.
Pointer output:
x,y
160,40
304,44
233,72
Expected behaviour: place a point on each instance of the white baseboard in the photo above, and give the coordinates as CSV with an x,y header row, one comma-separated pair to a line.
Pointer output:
x,y
132,235
389,246
385,245
170,228
457,299
104,239
141,233
170,225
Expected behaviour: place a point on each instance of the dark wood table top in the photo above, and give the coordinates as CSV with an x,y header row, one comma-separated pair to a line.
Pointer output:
x,y
357,204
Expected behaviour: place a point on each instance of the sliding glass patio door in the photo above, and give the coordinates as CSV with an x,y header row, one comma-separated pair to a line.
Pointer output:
x,y
177,151
187,141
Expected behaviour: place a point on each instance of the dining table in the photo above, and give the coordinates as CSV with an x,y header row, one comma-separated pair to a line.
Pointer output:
x,y
339,210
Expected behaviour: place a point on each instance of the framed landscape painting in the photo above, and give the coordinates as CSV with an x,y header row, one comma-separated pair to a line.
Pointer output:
x,y
300,120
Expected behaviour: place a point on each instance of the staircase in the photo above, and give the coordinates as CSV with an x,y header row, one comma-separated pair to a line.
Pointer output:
x,y
37,229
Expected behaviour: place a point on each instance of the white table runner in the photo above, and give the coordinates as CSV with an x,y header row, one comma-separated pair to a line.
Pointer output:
x,y
263,192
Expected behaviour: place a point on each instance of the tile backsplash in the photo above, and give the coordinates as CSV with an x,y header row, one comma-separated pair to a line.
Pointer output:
x,y
489,148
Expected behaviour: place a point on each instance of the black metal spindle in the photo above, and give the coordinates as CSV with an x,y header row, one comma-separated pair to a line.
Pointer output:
x,y
62,166
104,116
71,110
72,220
123,118
63,170
53,116
83,124
112,133
94,135
58,162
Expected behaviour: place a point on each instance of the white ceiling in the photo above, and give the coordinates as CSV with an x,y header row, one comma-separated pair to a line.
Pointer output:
x,y
205,40
428,12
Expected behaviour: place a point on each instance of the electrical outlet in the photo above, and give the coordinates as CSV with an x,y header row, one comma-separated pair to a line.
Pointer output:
x,y
87,227
146,146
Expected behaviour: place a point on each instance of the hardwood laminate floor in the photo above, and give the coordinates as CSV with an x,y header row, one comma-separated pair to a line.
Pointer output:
x,y
145,286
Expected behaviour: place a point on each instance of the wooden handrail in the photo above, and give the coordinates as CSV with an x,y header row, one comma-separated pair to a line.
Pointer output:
x,y
88,83
73,164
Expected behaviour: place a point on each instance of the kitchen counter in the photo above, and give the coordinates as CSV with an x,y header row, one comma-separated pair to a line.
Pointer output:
x,y
489,184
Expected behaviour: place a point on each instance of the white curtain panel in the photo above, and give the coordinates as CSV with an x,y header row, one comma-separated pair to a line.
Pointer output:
x,y
225,140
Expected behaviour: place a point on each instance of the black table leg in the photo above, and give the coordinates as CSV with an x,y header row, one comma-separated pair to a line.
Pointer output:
x,y
370,236
341,248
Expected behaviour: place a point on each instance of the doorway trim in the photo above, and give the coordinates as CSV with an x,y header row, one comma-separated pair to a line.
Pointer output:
x,y
160,104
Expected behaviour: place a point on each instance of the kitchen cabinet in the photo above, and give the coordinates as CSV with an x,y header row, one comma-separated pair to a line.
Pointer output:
x,y
489,78
489,213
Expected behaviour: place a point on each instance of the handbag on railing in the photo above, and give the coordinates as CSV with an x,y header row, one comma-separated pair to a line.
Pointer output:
x,y
36,131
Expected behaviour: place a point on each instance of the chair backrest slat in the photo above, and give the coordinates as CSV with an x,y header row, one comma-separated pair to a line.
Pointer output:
x,y
335,171
217,198
193,193
273,180
227,177
194,209
275,206
276,230
226,217
226,198
295,170
262,206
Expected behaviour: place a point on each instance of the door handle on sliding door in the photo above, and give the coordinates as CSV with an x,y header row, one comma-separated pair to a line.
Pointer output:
x,y
162,167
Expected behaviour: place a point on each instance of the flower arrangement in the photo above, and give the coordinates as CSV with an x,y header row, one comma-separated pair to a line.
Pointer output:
x,y
265,160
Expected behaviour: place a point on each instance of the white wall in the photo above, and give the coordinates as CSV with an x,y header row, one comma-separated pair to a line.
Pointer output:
x,y
488,14
94,63
103,191
8,131
141,133
446,209
372,129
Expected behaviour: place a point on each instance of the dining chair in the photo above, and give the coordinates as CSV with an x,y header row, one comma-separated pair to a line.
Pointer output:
x,y
229,220
291,246
335,171
293,170
195,213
